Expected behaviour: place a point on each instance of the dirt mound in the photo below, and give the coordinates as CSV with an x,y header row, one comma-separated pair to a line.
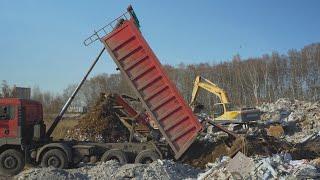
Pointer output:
x,y
202,152
100,124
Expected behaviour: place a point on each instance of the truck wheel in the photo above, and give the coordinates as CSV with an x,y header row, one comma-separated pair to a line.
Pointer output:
x,y
11,162
55,158
146,157
115,154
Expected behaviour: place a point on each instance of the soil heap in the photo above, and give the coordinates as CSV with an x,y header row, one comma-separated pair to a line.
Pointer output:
x,y
100,124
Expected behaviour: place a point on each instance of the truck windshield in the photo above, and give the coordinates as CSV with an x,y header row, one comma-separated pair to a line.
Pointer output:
x,y
6,112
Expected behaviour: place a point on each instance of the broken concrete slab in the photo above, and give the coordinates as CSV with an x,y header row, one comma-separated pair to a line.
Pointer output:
x,y
240,164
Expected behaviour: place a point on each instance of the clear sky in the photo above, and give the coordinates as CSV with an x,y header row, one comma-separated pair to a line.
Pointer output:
x,y
41,41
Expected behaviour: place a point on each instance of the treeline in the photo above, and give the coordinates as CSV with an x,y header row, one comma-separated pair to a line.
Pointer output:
x,y
295,75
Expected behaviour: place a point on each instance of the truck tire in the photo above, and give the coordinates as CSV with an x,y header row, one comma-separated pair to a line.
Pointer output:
x,y
11,162
146,157
115,154
55,158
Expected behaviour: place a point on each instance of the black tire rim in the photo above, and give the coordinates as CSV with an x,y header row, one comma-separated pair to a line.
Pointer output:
x,y
54,161
10,162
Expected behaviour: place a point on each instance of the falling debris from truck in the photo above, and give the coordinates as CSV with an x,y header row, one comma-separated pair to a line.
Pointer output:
x,y
100,124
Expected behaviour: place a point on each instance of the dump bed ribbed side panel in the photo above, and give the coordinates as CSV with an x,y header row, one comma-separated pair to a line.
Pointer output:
x,y
158,94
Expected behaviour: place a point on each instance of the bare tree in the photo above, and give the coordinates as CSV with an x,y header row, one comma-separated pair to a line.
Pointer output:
x,y
6,90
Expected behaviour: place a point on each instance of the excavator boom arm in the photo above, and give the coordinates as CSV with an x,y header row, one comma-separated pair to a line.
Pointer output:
x,y
201,82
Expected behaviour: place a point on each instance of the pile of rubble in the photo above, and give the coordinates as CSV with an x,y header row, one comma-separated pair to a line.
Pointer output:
x,y
160,169
299,118
251,145
100,124
294,156
278,166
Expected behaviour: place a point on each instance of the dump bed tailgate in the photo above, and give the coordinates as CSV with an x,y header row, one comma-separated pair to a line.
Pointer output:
x,y
159,95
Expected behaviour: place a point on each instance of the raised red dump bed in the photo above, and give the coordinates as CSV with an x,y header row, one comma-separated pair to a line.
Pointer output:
x,y
145,74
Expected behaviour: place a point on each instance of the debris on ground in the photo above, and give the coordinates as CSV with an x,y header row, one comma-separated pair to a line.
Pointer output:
x,y
251,145
160,169
240,164
288,149
278,166
275,131
299,118
209,152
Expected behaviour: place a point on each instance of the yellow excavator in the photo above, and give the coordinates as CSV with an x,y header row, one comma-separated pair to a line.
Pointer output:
x,y
225,110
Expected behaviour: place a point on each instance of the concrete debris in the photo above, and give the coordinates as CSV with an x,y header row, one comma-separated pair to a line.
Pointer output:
x,y
161,169
240,164
278,166
299,118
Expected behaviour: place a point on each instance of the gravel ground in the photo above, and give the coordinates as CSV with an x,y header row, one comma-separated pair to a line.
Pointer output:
x,y
161,169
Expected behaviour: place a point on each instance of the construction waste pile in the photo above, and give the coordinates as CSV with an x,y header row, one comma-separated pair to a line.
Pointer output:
x,y
160,169
293,155
277,166
100,124
300,119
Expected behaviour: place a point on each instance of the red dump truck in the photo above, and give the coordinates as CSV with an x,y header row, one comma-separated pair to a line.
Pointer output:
x,y
23,135
143,71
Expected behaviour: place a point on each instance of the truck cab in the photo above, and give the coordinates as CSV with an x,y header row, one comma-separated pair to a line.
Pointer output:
x,y
21,123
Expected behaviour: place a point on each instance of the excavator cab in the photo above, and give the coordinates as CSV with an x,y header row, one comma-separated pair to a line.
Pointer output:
x,y
224,110
229,107
218,110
